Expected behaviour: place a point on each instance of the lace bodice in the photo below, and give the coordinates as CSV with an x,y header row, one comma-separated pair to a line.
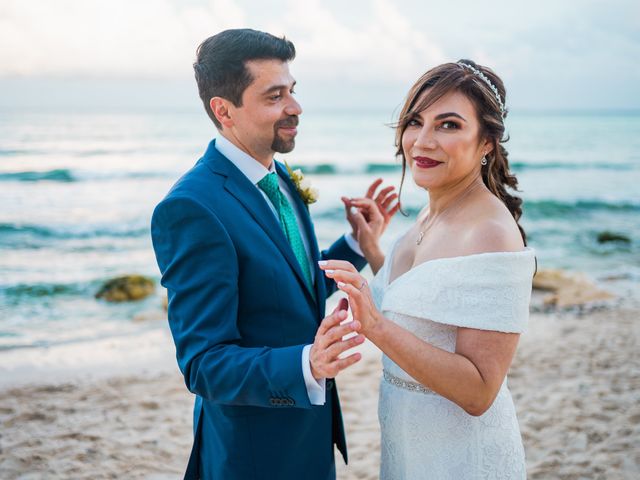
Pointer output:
x,y
423,434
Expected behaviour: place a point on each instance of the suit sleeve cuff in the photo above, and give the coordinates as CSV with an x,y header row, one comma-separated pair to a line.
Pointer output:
x,y
315,388
353,243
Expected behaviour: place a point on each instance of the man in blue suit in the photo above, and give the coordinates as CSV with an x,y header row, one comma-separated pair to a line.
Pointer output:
x,y
238,255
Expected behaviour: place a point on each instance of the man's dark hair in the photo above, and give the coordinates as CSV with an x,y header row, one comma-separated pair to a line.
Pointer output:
x,y
220,66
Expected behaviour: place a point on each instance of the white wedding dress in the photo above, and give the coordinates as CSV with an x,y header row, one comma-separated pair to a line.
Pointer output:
x,y
424,435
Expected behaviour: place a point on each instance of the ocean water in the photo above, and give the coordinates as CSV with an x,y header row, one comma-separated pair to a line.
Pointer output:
x,y
77,190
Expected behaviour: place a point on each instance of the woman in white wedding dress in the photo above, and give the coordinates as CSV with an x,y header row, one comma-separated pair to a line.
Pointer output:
x,y
449,301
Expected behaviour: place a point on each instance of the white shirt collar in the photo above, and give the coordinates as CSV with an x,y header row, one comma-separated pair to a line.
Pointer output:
x,y
248,165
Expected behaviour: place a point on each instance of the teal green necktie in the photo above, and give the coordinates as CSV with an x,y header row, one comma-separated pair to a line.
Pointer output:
x,y
269,185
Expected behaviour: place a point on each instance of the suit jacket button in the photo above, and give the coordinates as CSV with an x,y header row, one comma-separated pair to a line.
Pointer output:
x,y
330,383
272,401
291,402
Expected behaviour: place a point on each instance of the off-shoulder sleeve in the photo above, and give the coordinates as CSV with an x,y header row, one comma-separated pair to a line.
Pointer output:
x,y
488,291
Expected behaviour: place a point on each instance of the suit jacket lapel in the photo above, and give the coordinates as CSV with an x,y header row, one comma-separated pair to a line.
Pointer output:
x,y
307,225
239,186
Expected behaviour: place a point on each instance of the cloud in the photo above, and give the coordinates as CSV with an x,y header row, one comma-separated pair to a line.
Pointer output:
x,y
159,37
114,38
550,53
384,45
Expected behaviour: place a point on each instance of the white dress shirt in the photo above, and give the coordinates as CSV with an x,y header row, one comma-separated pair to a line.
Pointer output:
x,y
255,171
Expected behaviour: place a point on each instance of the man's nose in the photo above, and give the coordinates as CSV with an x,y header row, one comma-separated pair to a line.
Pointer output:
x,y
293,107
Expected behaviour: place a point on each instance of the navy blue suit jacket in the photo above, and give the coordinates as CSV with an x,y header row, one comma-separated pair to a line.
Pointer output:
x,y
240,315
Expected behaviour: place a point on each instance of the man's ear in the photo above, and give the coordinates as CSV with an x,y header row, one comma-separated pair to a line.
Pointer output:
x,y
220,108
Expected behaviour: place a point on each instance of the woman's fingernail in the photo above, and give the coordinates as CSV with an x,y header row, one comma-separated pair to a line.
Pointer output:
x,y
329,272
341,284
322,263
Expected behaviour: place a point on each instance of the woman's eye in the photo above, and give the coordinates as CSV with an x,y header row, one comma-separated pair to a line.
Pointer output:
x,y
413,123
449,125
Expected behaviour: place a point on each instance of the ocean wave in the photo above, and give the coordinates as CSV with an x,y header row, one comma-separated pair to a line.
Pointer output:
x,y
393,167
318,169
382,167
10,152
523,166
532,209
555,208
347,169
12,296
66,175
37,290
13,230
337,213
57,175
79,152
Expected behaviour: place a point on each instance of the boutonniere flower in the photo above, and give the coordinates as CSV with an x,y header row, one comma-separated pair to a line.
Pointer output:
x,y
308,193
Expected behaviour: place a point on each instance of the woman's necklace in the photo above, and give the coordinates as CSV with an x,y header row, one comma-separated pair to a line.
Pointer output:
x,y
444,213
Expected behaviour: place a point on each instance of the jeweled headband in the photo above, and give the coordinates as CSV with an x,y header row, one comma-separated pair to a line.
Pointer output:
x,y
486,80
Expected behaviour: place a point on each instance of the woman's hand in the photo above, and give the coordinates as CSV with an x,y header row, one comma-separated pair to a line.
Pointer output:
x,y
384,200
355,286
369,217
370,226
377,218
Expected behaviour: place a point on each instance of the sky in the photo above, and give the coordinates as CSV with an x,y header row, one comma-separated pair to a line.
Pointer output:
x,y
552,55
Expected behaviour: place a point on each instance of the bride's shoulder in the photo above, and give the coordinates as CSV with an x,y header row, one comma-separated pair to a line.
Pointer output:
x,y
494,230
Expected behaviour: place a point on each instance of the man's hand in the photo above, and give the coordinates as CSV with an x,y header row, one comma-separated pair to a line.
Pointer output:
x,y
328,344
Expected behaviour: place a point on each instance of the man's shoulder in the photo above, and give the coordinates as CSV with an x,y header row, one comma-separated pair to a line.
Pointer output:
x,y
197,188
199,180
191,181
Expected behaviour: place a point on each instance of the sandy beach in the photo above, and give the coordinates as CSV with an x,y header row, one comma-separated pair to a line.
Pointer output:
x,y
575,382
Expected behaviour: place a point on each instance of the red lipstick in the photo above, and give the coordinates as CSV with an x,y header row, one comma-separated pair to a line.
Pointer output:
x,y
426,162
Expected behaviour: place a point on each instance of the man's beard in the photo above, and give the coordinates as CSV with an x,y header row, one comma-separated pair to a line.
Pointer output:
x,y
283,145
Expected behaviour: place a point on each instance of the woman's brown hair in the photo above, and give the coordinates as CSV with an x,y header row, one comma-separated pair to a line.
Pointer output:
x,y
450,77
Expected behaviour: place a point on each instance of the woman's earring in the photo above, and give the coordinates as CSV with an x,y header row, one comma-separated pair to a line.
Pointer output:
x,y
484,160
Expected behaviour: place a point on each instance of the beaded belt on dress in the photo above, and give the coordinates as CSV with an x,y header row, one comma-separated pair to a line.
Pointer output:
x,y
411,386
